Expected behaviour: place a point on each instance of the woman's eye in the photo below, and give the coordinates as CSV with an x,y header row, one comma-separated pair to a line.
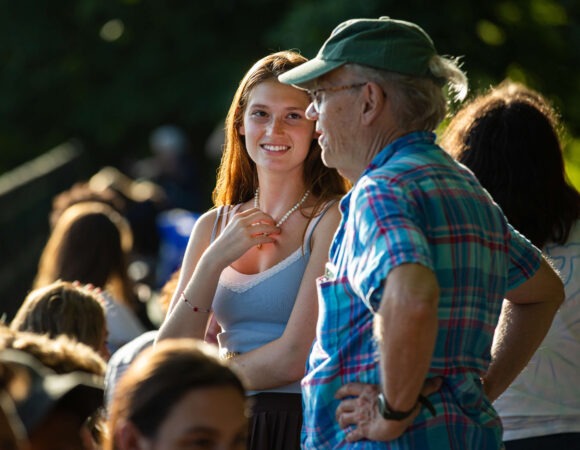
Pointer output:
x,y
259,113
295,116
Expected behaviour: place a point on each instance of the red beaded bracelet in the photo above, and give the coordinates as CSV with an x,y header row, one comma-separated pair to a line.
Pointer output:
x,y
193,307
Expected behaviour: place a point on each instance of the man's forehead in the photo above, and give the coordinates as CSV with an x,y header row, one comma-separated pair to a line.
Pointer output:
x,y
335,77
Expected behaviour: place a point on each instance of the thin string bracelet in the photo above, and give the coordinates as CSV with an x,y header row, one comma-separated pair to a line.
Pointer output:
x,y
193,307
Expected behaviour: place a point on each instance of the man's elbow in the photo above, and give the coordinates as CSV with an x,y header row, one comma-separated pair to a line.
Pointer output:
x,y
556,292
560,295
545,286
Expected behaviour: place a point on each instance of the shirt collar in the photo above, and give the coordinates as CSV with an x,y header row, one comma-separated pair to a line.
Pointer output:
x,y
409,139
384,155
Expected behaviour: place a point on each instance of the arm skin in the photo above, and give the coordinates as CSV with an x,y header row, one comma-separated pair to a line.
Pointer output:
x,y
406,327
281,361
202,265
526,316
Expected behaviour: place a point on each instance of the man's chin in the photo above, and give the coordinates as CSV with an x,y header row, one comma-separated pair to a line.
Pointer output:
x,y
325,160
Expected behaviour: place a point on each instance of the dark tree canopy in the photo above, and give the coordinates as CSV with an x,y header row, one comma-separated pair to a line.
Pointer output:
x,y
108,72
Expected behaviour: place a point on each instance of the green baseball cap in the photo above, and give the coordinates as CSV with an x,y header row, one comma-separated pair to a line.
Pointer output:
x,y
383,43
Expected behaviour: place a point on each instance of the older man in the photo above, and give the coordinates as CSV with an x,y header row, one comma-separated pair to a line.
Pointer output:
x,y
422,256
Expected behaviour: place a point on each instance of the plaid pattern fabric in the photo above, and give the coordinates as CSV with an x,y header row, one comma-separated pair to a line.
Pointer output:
x,y
414,204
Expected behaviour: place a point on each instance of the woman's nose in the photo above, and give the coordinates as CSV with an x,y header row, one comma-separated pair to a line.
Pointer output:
x,y
275,126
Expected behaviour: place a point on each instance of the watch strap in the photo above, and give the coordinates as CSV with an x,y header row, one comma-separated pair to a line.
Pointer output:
x,y
390,414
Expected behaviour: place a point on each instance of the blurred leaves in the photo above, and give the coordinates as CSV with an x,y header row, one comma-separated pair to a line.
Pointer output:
x,y
109,71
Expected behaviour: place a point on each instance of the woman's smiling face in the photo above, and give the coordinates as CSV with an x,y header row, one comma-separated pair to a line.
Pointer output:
x,y
277,133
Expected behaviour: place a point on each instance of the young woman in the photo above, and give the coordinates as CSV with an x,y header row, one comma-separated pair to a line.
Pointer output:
x,y
254,259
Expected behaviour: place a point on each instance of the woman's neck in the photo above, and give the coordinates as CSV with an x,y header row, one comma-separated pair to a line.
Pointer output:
x,y
277,197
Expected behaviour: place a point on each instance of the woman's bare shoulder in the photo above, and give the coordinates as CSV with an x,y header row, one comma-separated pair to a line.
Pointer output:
x,y
204,225
331,213
328,223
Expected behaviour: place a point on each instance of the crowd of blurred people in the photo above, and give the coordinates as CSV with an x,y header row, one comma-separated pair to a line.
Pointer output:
x,y
357,284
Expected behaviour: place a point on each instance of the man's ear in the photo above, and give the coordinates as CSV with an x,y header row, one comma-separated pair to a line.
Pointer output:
x,y
375,100
128,437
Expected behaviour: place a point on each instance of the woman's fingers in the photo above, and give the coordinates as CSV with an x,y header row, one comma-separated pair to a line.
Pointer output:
x,y
247,229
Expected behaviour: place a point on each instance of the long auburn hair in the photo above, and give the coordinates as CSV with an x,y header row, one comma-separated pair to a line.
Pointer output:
x,y
237,177
509,138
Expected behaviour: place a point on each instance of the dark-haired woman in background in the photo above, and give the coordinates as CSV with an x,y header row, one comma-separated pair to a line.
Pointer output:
x,y
509,138
90,243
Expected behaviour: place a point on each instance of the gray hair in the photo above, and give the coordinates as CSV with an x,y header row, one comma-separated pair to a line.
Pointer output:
x,y
420,102
449,70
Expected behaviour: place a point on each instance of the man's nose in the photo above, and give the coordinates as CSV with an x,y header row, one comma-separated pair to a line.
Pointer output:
x,y
311,112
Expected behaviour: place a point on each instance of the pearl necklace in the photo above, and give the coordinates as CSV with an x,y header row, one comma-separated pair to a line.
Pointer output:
x,y
289,212
284,218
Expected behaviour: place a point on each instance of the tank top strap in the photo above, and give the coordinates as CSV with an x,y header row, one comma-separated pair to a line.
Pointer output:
x,y
215,224
314,222
224,213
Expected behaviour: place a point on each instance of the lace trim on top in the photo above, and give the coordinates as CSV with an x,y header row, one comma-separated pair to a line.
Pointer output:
x,y
240,282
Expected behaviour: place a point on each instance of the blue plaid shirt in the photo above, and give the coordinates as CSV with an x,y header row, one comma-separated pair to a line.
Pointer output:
x,y
414,204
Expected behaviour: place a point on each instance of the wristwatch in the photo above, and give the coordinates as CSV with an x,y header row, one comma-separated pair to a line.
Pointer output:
x,y
390,414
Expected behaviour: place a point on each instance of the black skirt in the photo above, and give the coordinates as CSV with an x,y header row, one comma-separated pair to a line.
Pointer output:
x,y
276,421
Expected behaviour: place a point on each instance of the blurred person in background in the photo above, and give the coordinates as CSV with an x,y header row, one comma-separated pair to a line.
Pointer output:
x,y
125,355
53,408
509,137
64,308
177,395
62,356
139,203
171,167
90,243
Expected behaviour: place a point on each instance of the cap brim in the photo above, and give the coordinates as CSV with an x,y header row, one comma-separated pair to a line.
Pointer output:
x,y
77,392
309,71
80,393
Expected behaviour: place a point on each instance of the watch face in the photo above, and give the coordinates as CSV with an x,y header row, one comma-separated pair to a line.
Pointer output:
x,y
381,403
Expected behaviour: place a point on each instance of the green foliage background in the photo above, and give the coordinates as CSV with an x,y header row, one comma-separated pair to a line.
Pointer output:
x,y
108,71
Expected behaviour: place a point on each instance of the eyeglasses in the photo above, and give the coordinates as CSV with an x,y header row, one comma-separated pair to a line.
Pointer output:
x,y
316,98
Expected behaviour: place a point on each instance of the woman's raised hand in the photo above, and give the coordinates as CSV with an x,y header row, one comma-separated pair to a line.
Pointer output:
x,y
246,229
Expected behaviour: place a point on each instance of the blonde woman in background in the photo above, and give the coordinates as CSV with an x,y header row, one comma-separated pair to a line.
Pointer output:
x,y
63,308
